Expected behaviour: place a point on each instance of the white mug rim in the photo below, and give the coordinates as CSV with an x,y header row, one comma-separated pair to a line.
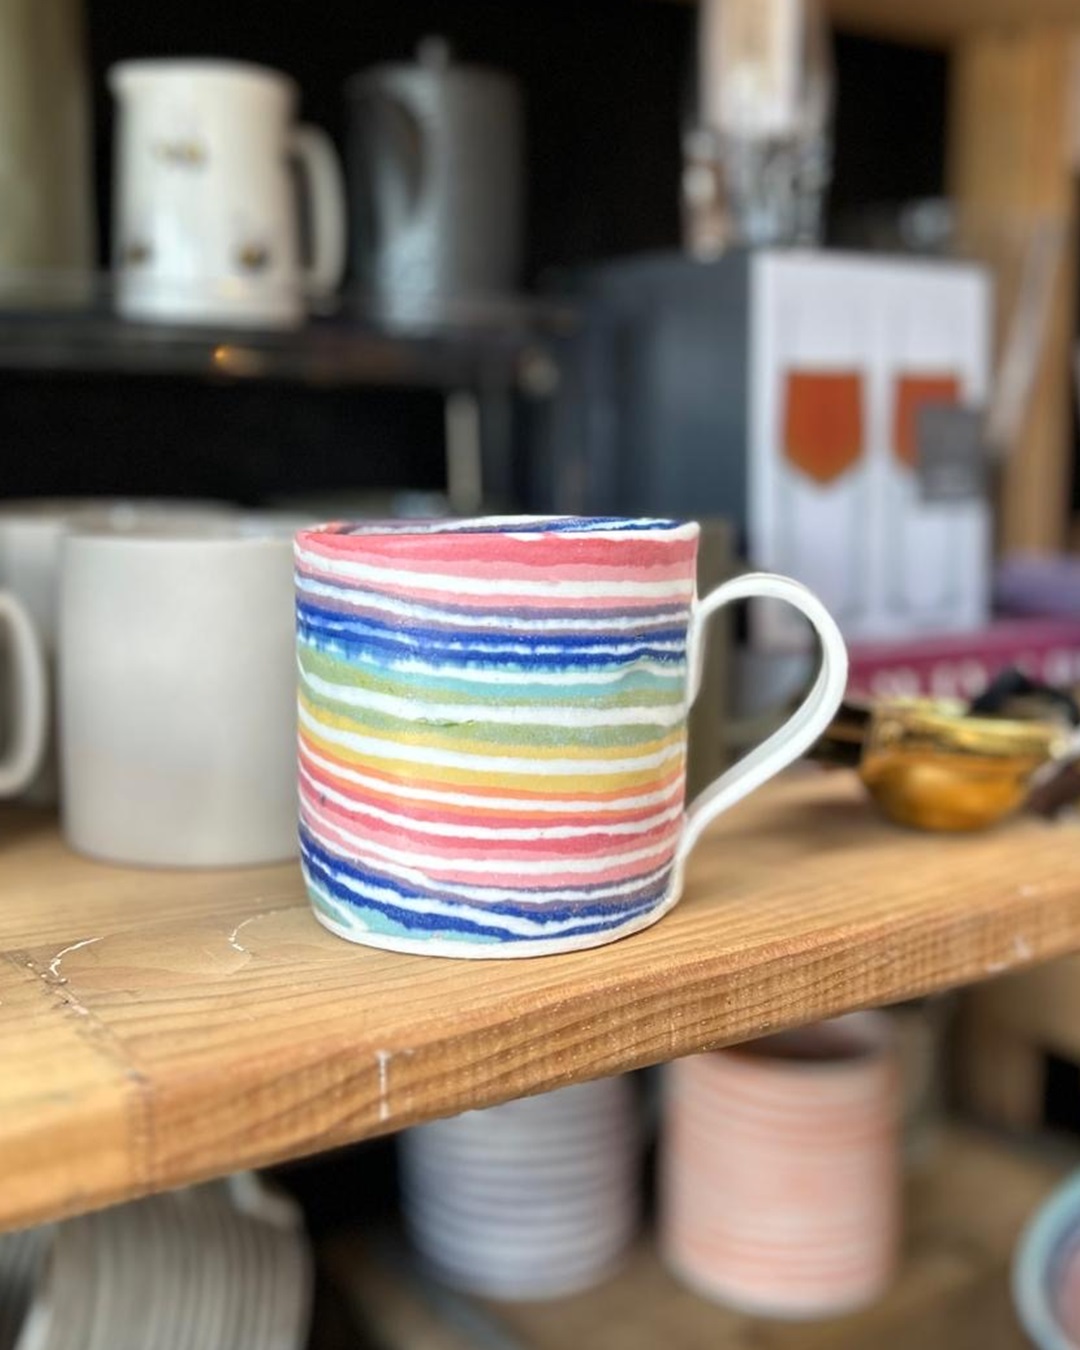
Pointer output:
x,y
157,533
152,71
531,527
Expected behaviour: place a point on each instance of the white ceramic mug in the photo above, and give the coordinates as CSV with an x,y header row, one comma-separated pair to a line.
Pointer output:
x,y
207,220
177,694
31,534
26,690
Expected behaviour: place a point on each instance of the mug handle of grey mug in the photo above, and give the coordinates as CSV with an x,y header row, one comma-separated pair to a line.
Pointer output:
x,y
803,727
325,188
30,690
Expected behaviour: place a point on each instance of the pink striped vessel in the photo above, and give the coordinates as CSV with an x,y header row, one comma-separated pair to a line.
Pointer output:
x,y
780,1169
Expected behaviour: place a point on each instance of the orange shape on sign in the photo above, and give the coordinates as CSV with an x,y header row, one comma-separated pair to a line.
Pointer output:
x,y
823,422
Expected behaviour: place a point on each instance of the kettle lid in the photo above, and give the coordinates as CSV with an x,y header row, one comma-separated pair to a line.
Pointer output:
x,y
434,52
434,57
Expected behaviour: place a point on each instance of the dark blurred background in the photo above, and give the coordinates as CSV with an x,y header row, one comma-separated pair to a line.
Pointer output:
x,y
604,83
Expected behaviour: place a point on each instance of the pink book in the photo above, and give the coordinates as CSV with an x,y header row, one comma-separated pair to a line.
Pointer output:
x,y
962,665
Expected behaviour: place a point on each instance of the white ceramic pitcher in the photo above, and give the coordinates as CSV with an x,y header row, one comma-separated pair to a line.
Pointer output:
x,y
207,216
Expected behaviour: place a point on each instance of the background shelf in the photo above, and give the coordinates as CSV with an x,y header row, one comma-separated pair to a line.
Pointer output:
x,y
512,345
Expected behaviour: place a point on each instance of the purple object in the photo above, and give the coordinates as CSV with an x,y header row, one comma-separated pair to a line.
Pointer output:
x,y
1039,583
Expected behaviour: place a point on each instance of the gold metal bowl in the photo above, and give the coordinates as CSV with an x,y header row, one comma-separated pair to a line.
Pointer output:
x,y
928,766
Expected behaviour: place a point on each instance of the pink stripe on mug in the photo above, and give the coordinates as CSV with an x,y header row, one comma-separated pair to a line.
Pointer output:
x,y
780,1169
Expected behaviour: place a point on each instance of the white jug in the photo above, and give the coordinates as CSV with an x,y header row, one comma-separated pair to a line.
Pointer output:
x,y
207,223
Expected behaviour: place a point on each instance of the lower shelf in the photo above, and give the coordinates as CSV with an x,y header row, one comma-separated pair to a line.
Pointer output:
x,y
965,1213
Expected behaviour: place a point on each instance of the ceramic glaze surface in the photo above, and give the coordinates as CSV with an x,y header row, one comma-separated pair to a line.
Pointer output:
x,y
207,220
1046,1271
493,728
780,1169
223,1266
177,702
493,738
533,1199
1069,1293
31,537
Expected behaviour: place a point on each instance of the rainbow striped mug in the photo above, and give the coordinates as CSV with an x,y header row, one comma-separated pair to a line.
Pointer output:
x,y
493,727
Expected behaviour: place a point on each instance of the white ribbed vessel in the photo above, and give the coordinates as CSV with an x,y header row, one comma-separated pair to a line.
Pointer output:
x,y
530,1200
224,1266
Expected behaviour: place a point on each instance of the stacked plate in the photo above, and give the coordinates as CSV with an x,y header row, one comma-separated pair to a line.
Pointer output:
x,y
218,1267
531,1200
22,1256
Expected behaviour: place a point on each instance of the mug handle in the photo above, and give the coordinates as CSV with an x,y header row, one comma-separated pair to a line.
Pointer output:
x,y
802,728
325,188
30,686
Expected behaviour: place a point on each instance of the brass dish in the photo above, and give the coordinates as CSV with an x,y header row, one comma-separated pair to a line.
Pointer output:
x,y
928,766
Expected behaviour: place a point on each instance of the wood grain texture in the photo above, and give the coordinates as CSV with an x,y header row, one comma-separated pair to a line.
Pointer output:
x,y
935,22
940,23
1011,171
158,1028
952,1293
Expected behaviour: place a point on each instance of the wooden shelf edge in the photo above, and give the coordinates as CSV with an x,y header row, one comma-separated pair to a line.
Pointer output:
x,y
208,1024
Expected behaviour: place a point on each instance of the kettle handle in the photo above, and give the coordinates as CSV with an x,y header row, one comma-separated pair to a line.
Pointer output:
x,y
395,125
326,189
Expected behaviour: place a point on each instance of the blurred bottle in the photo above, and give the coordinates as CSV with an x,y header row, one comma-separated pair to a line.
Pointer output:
x,y
762,126
47,227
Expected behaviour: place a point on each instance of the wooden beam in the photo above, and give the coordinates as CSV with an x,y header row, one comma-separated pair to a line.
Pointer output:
x,y
940,22
1011,171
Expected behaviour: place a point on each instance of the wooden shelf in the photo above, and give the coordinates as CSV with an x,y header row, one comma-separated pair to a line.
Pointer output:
x,y
497,348
161,1027
936,23
943,21
964,1216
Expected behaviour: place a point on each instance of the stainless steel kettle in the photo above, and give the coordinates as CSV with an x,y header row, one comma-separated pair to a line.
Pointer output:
x,y
435,183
